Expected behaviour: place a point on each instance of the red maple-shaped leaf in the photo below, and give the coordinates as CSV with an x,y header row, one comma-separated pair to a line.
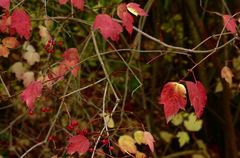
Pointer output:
x,y
62,2
79,4
78,143
135,9
230,23
5,4
20,22
31,93
70,62
108,27
173,98
197,95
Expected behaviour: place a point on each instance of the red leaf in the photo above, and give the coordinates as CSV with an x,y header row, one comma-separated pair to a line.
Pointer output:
x,y
31,93
4,22
5,4
127,22
78,143
122,8
127,19
173,97
230,23
79,4
135,9
108,27
70,62
62,2
20,22
197,95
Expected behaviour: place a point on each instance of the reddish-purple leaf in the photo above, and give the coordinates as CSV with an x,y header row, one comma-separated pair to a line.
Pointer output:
x,y
173,97
5,4
78,143
197,95
135,9
31,93
20,22
108,27
79,4
62,2
230,23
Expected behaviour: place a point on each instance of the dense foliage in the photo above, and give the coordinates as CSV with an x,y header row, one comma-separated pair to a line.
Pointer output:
x,y
85,78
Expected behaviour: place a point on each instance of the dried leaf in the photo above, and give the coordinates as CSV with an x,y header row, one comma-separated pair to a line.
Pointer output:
x,y
197,95
149,140
227,74
127,144
135,9
10,42
183,138
108,28
78,143
18,69
31,57
20,22
27,78
173,98
230,23
109,121
31,93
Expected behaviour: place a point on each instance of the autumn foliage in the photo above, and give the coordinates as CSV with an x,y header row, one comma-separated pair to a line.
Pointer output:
x,y
110,79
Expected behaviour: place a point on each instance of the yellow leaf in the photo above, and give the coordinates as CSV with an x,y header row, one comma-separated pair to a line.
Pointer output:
x,y
192,124
139,137
183,138
177,119
198,156
127,144
140,155
109,121
166,136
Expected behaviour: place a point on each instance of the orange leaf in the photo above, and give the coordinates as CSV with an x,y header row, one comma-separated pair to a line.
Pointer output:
x,y
4,51
10,42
